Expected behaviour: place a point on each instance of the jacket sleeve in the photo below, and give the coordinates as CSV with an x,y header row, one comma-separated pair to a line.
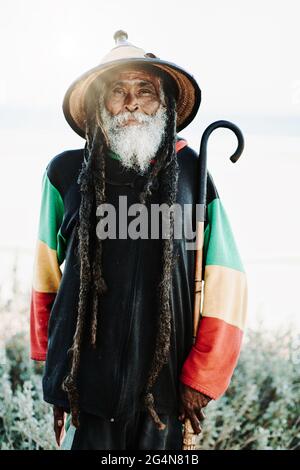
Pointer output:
x,y
47,274
210,364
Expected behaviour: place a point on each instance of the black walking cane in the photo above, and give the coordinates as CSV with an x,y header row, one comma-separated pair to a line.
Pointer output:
x,y
189,438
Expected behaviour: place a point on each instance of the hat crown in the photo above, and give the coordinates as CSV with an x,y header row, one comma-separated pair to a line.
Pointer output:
x,y
121,37
123,49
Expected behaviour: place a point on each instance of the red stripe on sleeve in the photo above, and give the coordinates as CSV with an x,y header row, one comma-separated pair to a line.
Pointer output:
x,y
40,308
211,362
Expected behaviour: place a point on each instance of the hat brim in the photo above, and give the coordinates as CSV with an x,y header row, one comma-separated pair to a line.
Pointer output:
x,y
188,101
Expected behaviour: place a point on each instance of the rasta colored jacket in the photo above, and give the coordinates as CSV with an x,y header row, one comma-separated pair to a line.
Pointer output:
x,y
112,376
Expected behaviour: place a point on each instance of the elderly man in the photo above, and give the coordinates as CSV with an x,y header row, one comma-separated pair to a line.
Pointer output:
x,y
115,326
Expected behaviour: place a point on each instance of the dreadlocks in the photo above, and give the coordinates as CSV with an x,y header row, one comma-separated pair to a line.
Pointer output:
x,y
92,283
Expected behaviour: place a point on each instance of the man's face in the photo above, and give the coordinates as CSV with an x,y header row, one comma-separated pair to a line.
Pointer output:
x,y
133,91
133,114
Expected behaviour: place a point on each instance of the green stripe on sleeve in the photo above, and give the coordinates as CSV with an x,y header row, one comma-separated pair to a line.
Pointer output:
x,y
51,215
219,244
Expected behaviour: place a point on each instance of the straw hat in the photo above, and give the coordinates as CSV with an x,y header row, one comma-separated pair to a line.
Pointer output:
x,y
124,53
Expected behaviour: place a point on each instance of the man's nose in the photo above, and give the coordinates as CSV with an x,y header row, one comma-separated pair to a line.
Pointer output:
x,y
131,104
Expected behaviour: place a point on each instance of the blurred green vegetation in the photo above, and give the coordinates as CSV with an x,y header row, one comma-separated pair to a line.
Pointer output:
x,y
260,410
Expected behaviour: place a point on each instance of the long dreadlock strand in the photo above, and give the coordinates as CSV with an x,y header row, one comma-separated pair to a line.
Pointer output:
x,y
162,344
99,284
167,162
87,273
69,384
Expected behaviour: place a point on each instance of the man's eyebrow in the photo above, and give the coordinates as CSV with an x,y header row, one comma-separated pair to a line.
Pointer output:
x,y
146,83
140,82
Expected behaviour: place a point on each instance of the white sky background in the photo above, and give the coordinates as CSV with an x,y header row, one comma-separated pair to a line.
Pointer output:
x,y
245,57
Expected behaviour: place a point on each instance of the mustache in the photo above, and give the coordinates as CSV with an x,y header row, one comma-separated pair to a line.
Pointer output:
x,y
137,115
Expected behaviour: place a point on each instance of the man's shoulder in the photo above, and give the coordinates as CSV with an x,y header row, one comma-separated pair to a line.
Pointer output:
x,y
187,156
65,160
63,169
188,152
189,160
64,165
184,150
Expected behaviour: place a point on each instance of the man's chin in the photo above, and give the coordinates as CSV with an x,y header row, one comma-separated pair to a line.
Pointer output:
x,y
131,123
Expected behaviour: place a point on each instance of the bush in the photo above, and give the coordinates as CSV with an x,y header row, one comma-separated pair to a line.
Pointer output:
x,y
260,410
25,420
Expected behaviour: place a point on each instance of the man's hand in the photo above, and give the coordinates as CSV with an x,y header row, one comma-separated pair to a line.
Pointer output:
x,y
191,406
58,415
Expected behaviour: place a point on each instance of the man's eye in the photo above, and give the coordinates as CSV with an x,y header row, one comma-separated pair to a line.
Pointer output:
x,y
145,91
118,91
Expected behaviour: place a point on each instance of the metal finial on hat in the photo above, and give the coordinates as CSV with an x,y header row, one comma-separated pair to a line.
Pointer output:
x,y
120,37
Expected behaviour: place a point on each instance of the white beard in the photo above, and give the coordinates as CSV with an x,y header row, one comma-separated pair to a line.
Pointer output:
x,y
136,144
